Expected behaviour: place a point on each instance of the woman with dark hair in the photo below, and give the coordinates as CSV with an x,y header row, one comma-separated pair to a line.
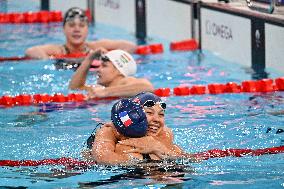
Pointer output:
x,y
75,28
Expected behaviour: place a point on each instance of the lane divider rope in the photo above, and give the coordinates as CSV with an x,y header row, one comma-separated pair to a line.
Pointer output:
x,y
250,86
214,153
184,45
34,17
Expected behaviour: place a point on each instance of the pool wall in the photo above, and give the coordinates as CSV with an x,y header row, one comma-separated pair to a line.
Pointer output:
x,y
230,30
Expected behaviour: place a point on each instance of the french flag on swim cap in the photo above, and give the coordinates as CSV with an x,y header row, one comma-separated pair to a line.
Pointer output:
x,y
125,118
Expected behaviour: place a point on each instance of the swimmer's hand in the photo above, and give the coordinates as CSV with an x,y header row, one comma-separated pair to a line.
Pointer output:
x,y
95,92
146,145
96,55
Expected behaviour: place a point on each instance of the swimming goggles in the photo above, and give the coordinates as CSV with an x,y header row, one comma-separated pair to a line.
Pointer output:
x,y
151,103
76,13
104,58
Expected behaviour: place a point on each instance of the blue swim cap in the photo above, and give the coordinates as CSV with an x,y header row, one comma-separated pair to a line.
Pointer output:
x,y
129,118
148,99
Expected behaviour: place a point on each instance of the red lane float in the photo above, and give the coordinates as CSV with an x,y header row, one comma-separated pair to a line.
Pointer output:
x,y
14,58
31,17
181,91
232,87
163,92
218,153
54,57
25,99
184,45
214,153
59,161
149,49
280,83
264,85
198,90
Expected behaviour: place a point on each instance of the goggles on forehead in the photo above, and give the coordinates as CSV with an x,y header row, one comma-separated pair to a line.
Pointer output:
x,y
104,58
151,103
76,13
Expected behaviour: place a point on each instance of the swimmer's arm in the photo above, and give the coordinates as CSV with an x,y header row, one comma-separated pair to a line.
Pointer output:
x,y
150,145
78,80
103,149
42,51
131,87
114,44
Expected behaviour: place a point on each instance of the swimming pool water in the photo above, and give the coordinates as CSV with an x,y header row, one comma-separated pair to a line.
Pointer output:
x,y
200,122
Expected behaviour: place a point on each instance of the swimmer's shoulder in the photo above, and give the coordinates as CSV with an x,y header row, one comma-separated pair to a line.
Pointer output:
x,y
53,49
130,79
106,133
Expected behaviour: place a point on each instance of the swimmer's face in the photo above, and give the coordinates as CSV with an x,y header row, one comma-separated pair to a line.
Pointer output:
x,y
155,118
76,31
107,73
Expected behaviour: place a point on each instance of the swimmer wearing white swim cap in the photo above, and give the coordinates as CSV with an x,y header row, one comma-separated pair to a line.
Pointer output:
x,y
115,76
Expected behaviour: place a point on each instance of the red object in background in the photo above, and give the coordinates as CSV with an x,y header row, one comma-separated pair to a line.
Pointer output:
x,y
198,89
264,85
249,86
4,18
71,55
185,45
16,18
216,88
31,17
88,14
214,153
76,97
7,101
163,92
232,87
181,91
156,48
55,16
280,83
58,97
23,99
43,16
41,98
143,50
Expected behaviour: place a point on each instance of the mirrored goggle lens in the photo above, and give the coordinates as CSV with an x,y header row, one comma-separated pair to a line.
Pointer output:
x,y
151,103
81,17
105,58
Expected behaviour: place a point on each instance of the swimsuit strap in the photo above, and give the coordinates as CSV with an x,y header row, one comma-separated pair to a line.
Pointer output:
x,y
91,138
67,50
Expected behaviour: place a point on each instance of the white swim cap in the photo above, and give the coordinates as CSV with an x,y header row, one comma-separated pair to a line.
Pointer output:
x,y
123,61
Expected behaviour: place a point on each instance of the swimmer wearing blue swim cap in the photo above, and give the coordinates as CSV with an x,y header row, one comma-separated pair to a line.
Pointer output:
x,y
129,118
137,132
147,99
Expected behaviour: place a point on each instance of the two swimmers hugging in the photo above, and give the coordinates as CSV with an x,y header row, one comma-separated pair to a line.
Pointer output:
x,y
137,132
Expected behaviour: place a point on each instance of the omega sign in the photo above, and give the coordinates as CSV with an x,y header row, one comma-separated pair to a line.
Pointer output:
x,y
113,4
220,30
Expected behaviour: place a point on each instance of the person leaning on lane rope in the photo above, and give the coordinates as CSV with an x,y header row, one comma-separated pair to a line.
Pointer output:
x,y
75,28
137,132
114,76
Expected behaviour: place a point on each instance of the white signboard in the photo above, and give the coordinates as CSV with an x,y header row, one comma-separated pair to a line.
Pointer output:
x,y
167,19
274,47
64,5
119,13
227,35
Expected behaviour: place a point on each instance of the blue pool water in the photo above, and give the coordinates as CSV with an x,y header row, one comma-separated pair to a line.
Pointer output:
x,y
199,123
